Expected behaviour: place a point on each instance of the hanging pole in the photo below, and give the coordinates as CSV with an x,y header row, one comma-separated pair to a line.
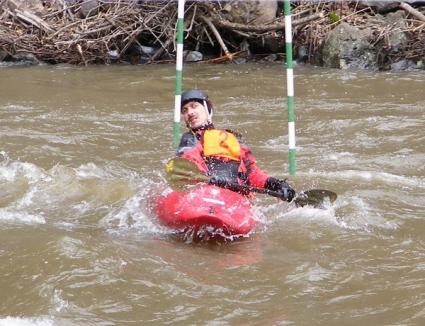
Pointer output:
x,y
179,72
290,87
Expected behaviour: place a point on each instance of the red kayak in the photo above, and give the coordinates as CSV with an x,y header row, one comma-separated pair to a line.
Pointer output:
x,y
207,208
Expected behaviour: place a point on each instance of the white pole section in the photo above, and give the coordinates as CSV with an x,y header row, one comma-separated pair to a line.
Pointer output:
x,y
290,87
179,72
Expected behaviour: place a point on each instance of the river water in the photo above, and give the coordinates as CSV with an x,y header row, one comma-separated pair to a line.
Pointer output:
x,y
83,149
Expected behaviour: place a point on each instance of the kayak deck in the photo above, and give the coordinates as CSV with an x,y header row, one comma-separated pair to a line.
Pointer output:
x,y
207,208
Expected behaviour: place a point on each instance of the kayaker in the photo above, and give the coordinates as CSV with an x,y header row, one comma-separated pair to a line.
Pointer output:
x,y
221,153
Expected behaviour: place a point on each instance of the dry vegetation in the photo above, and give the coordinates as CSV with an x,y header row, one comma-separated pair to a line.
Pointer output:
x,y
60,34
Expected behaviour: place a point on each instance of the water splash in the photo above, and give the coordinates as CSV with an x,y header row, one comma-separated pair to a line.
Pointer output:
x,y
58,302
20,217
358,214
27,321
31,194
136,213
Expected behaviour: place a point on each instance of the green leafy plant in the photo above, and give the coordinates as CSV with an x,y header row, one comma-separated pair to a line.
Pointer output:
x,y
334,17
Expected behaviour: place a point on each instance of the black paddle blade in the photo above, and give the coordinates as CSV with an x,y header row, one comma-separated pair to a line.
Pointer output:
x,y
315,197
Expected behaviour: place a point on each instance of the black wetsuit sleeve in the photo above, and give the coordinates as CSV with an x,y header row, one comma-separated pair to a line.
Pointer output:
x,y
187,141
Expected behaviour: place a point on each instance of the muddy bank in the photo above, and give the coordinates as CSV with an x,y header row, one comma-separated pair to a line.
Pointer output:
x,y
374,35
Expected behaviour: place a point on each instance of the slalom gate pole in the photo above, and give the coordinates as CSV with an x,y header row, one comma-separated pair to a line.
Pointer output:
x,y
179,72
290,87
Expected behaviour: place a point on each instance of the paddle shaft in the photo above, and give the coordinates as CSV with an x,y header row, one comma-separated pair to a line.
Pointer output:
x,y
183,170
245,188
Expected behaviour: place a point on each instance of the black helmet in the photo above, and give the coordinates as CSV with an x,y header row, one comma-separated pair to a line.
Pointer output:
x,y
198,96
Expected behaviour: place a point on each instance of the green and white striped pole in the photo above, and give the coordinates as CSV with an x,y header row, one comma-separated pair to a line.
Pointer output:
x,y
179,72
290,87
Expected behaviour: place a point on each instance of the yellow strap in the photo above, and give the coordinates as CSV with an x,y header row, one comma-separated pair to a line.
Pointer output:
x,y
221,143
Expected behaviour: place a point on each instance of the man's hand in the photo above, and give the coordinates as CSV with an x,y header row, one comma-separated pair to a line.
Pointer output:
x,y
219,181
280,186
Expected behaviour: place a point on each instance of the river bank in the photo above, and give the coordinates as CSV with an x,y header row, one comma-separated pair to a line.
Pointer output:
x,y
370,35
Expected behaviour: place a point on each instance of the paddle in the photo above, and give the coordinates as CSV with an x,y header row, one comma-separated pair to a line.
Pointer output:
x,y
180,172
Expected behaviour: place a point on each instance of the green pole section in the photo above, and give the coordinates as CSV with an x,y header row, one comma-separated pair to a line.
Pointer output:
x,y
179,72
290,88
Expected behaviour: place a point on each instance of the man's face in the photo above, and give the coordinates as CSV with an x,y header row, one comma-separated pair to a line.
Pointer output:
x,y
194,114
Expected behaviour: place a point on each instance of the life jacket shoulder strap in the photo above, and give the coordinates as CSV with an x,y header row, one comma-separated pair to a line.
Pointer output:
x,y
237,134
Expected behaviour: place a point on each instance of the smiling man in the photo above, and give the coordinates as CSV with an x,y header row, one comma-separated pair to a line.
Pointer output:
x,y
220,153
197,113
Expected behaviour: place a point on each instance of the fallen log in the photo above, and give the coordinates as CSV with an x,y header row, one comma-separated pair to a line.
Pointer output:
x,y
218,37
405,6
265,27
32,19
80,51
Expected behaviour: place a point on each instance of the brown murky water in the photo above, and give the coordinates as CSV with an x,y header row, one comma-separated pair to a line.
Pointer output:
x,y
82,149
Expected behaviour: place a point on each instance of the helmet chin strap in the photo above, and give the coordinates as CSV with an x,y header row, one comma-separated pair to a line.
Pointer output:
x,y
209,114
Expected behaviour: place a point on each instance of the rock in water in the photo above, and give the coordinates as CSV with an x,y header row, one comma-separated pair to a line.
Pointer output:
x,y
251,12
